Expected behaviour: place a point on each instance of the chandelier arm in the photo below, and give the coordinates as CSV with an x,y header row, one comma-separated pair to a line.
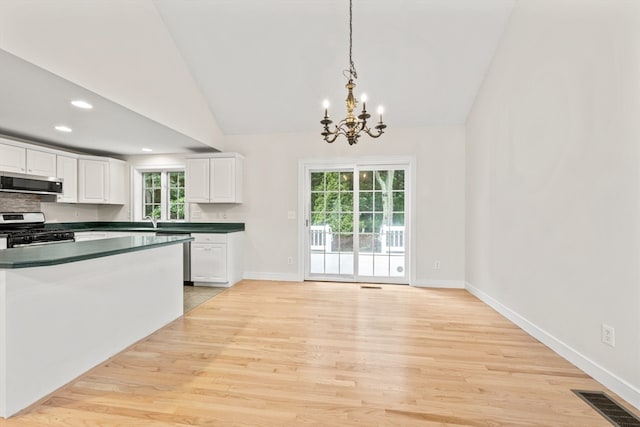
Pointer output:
x,y
373,135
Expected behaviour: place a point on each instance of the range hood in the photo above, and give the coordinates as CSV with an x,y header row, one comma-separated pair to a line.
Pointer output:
x,y
31,184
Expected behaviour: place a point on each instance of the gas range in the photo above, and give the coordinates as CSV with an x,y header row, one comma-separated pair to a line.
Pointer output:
x,y
27,229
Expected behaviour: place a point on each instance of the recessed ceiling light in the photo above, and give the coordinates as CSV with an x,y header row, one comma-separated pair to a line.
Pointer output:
x,y
81,104
63,128
147,150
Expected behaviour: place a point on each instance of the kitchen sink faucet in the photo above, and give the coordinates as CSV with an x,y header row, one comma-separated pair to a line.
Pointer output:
x,y
153,221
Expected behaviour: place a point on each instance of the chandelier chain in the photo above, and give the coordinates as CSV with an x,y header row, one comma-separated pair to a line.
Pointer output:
x,y
352,67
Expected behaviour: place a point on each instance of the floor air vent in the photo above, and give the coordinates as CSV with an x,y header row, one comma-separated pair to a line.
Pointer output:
x,y
608,408
370,287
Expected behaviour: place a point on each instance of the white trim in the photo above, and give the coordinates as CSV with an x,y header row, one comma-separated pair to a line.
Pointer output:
x,y
375,163
443,284
278,277
616,384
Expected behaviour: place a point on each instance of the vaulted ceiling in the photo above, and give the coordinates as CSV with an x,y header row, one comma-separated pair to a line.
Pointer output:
x,y
253,66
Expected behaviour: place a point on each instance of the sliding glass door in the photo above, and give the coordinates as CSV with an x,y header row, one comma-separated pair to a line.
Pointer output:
x,y
357,222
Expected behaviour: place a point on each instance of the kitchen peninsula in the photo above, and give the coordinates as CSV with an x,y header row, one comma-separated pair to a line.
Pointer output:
x,y
65,308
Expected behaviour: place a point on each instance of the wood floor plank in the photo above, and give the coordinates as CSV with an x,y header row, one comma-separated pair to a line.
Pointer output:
x,y
328,354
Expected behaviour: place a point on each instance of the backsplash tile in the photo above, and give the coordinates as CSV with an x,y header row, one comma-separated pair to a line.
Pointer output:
x,y
18,202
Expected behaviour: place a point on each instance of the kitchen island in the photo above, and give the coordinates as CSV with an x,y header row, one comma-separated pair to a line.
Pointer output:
x,y
67,307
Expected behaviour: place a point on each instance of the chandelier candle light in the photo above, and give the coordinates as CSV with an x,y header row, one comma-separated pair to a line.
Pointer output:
x,y
351,126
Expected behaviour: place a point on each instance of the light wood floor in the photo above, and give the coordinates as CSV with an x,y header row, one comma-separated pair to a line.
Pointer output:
x,y
328,354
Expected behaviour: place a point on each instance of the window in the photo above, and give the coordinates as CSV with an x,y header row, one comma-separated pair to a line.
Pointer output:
x,y
163,195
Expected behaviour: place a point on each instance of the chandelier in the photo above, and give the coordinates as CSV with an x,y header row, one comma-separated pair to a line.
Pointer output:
x,y
351,126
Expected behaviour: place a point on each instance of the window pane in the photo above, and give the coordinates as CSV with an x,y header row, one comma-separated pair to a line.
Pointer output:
x,y
318,218
398,180
346,181
333,202
377,222
173,179
317,181
381,180
366,180
366,201
366,223
378,203
398,201
398,219
346,202
346,223
332,181
317,202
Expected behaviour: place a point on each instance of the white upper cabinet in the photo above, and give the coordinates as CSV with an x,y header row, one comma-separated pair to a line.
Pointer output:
x,y
225,179
216,178
197,180
101,180
19,158
67,169
13,158
41,163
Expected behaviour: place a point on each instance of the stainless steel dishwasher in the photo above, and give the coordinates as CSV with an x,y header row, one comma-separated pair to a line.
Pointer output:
x,y
186,255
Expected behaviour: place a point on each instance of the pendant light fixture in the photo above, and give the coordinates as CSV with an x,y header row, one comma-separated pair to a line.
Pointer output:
x,y
351,126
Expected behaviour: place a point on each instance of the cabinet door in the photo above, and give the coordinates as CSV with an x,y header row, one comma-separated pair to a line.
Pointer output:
x,y
222,173
93,180
117,183
197,181
67,169
12,158
209,262
41,163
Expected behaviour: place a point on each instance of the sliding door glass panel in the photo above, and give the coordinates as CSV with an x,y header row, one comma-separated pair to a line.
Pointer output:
x,y
331,228
381,226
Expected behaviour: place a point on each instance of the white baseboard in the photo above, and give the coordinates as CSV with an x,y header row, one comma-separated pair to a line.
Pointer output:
x,y
447,284
278,277
616,384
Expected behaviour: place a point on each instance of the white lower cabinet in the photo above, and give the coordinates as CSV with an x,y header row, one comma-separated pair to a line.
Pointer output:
x,y
216,259
209,262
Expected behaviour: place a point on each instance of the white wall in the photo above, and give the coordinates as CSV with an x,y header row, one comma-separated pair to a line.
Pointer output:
x,y
271,190
552,182
119,49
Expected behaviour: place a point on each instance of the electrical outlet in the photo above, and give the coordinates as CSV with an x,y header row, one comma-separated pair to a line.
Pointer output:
x,y
291,215
290,260
436,265
609,335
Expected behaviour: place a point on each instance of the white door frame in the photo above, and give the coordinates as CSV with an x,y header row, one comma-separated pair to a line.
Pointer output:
x,y
304,185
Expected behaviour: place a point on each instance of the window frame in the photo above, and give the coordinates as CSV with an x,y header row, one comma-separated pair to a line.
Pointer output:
x,y
137,194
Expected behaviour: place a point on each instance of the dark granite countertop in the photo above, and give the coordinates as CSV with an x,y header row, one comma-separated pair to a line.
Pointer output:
x,y
163,227
62,253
